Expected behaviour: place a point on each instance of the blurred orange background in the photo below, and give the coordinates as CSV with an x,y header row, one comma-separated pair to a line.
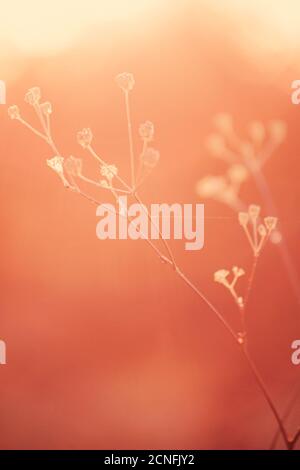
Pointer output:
x,y
106,347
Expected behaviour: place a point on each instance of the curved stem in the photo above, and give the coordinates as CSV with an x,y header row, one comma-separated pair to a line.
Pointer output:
x,y
250,280
100,160
284,251
130,139
267,396
171,262
286,415
295,440
159,231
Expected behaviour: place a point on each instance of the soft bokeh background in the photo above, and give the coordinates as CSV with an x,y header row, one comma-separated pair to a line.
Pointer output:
x,y
106,347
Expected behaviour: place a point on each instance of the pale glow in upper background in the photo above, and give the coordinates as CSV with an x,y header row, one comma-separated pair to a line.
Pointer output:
x,y
36,26
272,24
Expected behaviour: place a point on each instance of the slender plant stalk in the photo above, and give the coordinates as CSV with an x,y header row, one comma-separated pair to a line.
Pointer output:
x,y
263,187
251,279
267,396
159,231
100,160
170,260
130,139
286,414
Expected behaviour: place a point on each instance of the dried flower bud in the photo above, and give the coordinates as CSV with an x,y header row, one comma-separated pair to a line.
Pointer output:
x,y
215,145
33,96
243,218
237,173
150,157
240,301
125,81
56,163
221,276
73,166
146,131
104,184
46,108
257,131
253,211
109,171
223,122
262,230
14,112
277,130
238,272
211,186
85,137
270,223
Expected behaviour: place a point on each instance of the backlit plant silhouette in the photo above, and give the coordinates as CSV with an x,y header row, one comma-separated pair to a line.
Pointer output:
x,y
70,172
245,158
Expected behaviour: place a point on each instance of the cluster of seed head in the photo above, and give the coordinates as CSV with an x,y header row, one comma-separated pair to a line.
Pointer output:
x,y
257,231
221,276
224,188
69,168
242,156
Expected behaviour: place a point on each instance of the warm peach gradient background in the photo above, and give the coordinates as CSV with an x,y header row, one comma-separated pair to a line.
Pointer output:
x,y
106,347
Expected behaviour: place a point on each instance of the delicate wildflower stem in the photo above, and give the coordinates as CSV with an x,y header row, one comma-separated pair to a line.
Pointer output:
x,y
266,153
210,305
32,129
294,440
233,293
287,412
126,82
139,178
130,139
48,124
41,118
75,186
267,396
249,238
159,231
100,160
284,251
255,241
250,280
244,327
99,185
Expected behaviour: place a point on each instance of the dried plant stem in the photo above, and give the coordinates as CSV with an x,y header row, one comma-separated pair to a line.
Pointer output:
x,y
32,129
267,396
100,160
159,231
295,440
110,188
245,352
249,238
130,139
210,305
251,279
287,412
284,251
139,176
171,262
